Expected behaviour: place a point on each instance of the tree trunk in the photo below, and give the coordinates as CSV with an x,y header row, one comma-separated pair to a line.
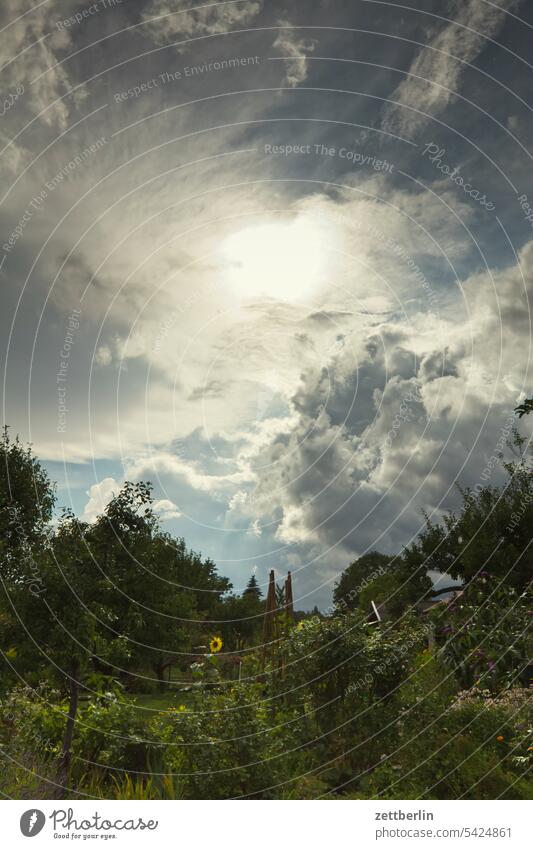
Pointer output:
x,y
66,752
159,669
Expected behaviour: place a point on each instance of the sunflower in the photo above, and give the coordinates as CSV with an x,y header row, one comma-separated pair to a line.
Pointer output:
x,y
215,644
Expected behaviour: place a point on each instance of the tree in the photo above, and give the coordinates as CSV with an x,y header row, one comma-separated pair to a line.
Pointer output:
x,y
357,576
167,613
397,591
148,580
491,533
200,576
26,503
240,620
524,408
58,627
253,588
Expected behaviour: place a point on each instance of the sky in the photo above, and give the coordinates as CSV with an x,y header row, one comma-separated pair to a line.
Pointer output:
x,y
275,258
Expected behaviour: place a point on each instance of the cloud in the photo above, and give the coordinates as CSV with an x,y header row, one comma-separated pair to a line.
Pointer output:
x,y
14,157
100,494
165,21
296,48
437,70
374,441
164,463
166,509
103,356
37,68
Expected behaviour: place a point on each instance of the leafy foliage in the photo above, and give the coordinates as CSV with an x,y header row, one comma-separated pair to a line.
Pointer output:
x,y
420,705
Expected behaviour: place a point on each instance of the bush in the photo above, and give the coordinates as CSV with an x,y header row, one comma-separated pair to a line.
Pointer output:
x,y
227,744
477,747
109,733
486,635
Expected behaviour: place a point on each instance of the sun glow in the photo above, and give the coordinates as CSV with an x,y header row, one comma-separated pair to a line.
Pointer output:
x,y
284,260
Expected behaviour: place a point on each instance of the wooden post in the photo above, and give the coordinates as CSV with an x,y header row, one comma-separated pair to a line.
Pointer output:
x,y
289,604
269,621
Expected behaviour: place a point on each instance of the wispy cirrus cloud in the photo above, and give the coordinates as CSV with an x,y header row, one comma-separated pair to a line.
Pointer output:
x,y
31,46
165,21
435,73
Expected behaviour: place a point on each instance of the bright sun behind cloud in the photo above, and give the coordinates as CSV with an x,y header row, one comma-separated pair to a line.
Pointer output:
x,y
284,260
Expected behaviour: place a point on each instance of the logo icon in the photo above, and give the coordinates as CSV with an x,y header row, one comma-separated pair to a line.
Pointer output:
x,y
32,822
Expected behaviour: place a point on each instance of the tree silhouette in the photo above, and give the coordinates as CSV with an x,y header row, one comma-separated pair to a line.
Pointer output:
x,y
253,588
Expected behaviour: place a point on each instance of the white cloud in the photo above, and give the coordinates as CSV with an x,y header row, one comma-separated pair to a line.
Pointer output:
x,y
255,529
475,21
14,157
296,48
37,68
103,356
166,21
166,509
374,441
100,494
167,464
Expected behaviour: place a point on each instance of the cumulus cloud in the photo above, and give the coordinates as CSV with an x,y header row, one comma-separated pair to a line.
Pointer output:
x,y
436,71
374,442
166,509
100,494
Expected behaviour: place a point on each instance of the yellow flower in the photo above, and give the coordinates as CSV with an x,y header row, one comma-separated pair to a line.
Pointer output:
x,y
300,626
215,644
11,653
182,707
500,738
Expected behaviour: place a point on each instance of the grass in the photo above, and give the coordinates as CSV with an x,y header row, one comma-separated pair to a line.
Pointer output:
x,y
152,703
